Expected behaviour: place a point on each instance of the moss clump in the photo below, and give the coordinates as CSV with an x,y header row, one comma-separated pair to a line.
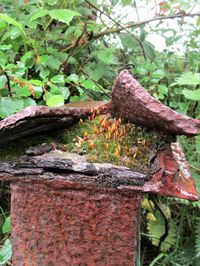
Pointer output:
x,y
105,139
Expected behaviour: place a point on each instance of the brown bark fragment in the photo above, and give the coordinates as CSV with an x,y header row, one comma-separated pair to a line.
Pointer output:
x,y
133,103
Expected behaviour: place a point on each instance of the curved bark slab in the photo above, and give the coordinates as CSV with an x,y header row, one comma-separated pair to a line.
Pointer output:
x,y
133,103
37,119
172,176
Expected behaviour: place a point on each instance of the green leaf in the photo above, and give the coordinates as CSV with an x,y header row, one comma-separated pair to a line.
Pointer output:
x,y
21,91
3,59
55,101
12,21
3,81
29,102
5,47
192,95
27,56
38,14
15,33
6,228
9,106
63,15
58,79
157,229
90,85
5,252
65,92
158,74
188,78
163,89
72,78
106,56
149,49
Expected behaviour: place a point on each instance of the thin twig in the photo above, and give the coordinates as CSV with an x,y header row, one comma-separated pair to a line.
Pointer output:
x,y
73,48
98,85
142,22
118,24
8,82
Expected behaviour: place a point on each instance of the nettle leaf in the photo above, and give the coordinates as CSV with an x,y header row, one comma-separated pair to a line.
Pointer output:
x,y
5,252
192,95
188,78
63,15
12,21
55,100
6,228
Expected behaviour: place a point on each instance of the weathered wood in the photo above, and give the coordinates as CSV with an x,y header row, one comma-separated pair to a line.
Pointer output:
x,y
133,103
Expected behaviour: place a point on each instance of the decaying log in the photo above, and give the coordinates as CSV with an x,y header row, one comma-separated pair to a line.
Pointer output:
x,y
133,103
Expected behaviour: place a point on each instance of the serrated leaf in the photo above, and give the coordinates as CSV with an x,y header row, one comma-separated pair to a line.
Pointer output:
x,y
40,13
106,56
192,95
163,89
6,228
63,15
55,101
188,78
5,252
12,21
58,79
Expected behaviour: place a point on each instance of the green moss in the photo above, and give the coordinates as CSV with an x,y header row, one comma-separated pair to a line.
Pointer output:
x,y
17,148
105,139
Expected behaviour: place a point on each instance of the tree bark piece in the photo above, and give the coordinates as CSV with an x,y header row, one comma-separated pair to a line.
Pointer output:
x,y
133,103
36,119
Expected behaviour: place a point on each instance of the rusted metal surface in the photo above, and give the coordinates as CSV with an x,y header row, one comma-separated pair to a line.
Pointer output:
x,y
34,119
73,227
133,103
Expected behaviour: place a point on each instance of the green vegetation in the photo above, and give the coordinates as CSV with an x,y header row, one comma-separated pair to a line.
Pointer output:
x,y
58,51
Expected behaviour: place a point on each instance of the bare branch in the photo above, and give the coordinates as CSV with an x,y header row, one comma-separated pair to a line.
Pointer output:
x,y
137,24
